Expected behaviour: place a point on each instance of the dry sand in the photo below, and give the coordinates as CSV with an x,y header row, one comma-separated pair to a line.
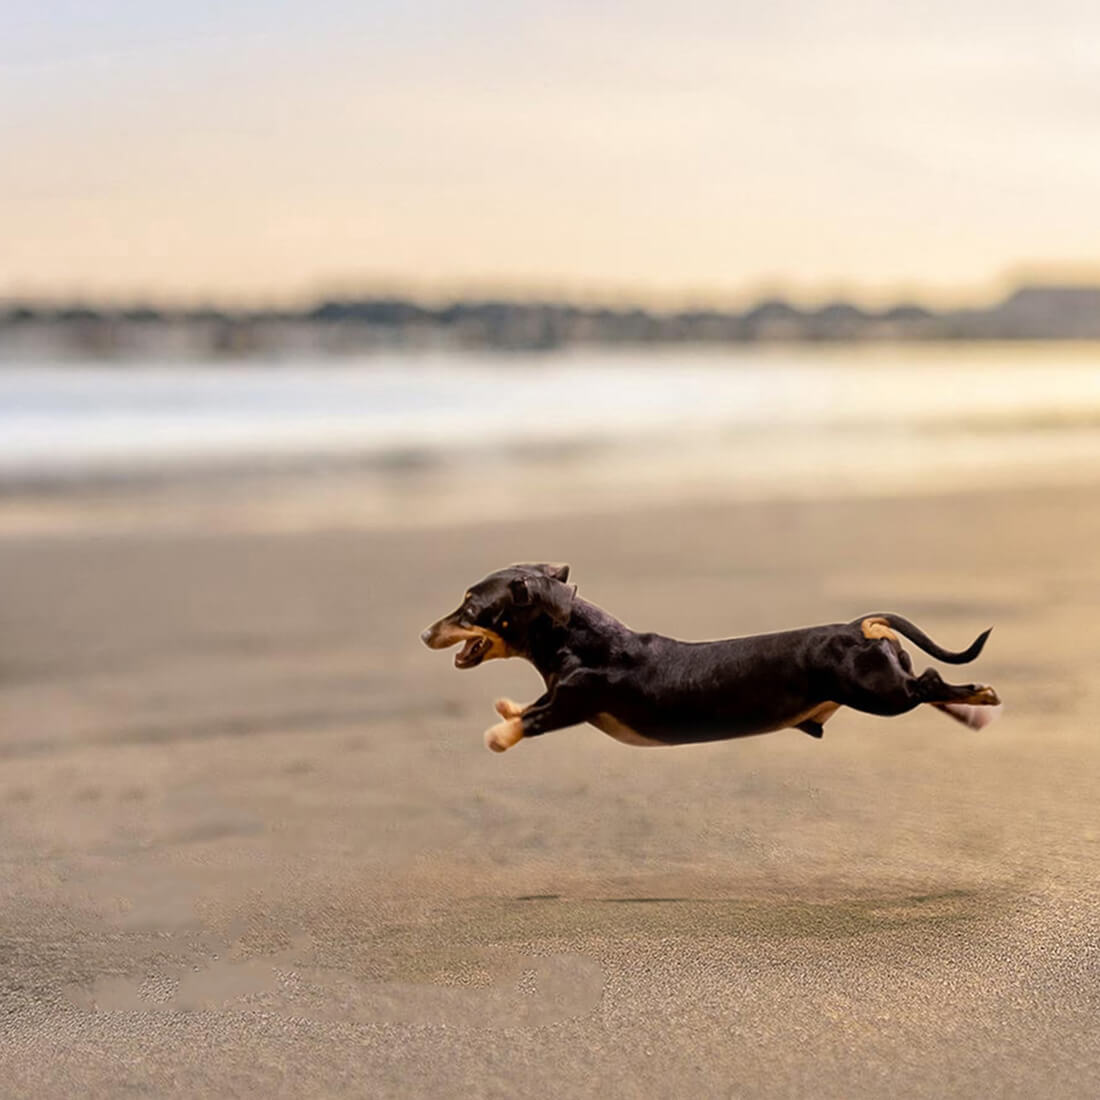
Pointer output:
x,y
253,845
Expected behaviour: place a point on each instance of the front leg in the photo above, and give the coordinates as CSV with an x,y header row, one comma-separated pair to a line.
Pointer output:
x,y
569,704
502,736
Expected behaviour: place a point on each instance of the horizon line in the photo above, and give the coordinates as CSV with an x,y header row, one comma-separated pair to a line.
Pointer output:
x,y
475,293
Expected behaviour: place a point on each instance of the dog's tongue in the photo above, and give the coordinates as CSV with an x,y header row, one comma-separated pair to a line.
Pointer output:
x,y
467,651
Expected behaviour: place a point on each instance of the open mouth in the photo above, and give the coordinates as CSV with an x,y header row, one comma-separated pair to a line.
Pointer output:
x,y
472,652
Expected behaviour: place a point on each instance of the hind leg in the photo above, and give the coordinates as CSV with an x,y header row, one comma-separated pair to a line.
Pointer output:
x,y
876,677
954,699
935,690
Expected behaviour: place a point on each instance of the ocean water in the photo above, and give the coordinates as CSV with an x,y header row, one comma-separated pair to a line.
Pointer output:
x,y
605,424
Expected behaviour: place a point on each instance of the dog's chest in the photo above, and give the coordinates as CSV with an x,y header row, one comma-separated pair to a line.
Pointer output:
x,y
609,724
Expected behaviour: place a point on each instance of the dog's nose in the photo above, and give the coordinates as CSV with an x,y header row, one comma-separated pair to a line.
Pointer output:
x,y
426,635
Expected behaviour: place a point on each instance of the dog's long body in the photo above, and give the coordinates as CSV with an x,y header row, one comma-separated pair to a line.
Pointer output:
x,y
646,689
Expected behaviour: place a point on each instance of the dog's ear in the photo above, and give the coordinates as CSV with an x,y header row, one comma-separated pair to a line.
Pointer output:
x,y
554,572
558,572
521,591
548,593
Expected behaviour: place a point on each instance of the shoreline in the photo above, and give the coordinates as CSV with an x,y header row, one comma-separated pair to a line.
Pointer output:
x,y
278,498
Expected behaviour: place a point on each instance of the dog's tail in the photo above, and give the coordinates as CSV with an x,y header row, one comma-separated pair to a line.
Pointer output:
x,y
919,638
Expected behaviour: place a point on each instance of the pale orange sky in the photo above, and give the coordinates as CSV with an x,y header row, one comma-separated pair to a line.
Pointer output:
x,y
666,151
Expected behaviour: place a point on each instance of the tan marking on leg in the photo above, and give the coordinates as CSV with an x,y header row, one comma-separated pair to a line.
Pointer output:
x,y
877,628
502,736
509,708
983,697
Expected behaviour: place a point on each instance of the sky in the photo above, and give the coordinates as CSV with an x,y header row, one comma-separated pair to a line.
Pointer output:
x,y
707,151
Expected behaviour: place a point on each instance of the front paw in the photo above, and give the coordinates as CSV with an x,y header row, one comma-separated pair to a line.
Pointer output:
x,y
508,708
502,736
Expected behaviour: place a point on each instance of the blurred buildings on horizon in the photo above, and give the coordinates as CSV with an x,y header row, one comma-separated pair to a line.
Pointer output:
x,y
40,331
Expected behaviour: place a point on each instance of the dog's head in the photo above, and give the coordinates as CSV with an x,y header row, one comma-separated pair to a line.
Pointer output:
x,y
497,616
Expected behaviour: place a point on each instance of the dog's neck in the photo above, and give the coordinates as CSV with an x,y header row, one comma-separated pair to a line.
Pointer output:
x,y
587,639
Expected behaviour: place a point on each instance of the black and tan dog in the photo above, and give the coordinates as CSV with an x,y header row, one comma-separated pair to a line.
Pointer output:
x,y
645,689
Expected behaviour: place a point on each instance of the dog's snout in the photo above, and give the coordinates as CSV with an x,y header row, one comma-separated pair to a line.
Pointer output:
x,y
426,635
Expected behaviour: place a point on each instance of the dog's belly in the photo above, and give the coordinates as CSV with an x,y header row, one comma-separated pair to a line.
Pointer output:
x,y
657,727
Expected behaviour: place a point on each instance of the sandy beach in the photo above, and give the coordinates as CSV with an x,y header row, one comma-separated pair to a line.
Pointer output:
x,y
253,844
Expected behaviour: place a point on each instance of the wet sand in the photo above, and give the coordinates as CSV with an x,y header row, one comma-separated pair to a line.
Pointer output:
x,y
253,844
